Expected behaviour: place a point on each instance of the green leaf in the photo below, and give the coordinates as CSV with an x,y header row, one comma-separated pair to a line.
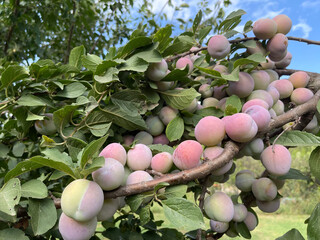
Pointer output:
x,y
34,117
43,215
203,33
61,166
231,18
91,61
47,142
233,76
175,191
179,99
112,113
100,130
160,186
233,105
10,195
210,111
33,101
130,101
135,201
106,64
314,162
111,75
34,189
76,55
183,214
4,150
18,149
56,175
210,72
294,174
163,37
12,74
144,215
150,54
243,230
91,150
72,90
297,138
13,233
135,64
180,45
318,106
97,163
56,155
20,168
176,75
293,234
257,57
62,116
175,129
197,21
75,145
247,27
313,229
158,148
134,44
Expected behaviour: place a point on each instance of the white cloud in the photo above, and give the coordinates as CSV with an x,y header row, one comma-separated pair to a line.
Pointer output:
x,y
311,4
305,28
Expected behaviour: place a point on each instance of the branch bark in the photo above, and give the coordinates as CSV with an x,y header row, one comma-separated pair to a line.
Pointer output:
x,y
9,35
70,33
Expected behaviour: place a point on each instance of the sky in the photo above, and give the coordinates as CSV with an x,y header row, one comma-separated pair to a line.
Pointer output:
x,y
305,16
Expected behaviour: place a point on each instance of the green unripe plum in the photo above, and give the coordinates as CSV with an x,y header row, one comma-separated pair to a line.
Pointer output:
x,y
183,62
261,79
192,107
222,103
210,131
127,172
157,71
253,102
218,47
210,102
46,126
276,159
144,137
268,65
154,125
115,151
244,180
219,207
263,95
205,90
110,176
138,177
285,62
272,74
264,28
272,113
251,221
139,157
269,206
219,227
240,212
240,127
187,155
264,189
301,95
284,23
257,49
221,68
299,79
82,200
313,124
162,162
274,93
109,208
167,114
128,140
71,229
277,46
161,139
243,87
164,86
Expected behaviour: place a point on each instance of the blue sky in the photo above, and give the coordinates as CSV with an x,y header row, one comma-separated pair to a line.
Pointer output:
x,y
305,16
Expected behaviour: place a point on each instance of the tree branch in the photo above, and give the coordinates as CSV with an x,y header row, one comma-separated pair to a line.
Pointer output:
x,y
238,40
9,35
